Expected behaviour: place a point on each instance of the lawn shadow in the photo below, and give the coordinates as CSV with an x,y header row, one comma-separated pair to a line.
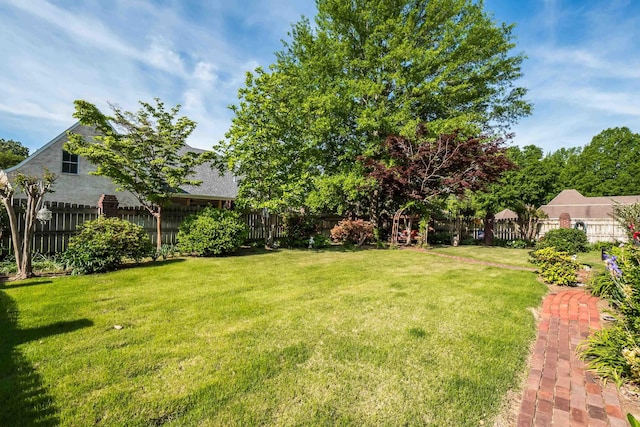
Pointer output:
x,y
157,263
21,284
23,397
253,250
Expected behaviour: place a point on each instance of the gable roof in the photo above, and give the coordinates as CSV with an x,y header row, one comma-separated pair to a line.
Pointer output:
x,y
214,185
506,214
43,148
579,206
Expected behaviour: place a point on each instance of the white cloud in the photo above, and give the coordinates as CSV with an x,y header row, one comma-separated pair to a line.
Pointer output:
x,y
204,72
162,55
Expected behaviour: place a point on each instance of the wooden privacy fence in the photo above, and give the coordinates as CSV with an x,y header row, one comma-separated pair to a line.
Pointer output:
x,y
53,236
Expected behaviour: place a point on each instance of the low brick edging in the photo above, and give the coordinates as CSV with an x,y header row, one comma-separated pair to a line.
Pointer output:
x,y
559,390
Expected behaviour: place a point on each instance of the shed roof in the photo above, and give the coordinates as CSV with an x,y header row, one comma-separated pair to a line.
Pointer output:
x,y
506,214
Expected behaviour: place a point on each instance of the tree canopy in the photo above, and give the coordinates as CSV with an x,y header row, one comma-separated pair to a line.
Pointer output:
x,y
423,168
11,153
142,152
608,166
368,69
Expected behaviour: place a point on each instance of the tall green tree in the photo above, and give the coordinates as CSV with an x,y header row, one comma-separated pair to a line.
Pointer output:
x,y
142,152
368,69
534,182
11,153
608,166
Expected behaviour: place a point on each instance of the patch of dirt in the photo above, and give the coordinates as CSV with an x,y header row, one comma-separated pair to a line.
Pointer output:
x,y
630,400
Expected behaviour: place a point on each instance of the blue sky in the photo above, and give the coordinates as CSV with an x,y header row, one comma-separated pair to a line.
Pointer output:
x,y
582,71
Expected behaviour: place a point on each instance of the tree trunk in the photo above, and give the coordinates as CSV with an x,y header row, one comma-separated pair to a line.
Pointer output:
x,y
158,217
13,225
489,224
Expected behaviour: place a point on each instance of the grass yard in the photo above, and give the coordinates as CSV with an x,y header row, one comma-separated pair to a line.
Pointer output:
x,y
284,338
516,257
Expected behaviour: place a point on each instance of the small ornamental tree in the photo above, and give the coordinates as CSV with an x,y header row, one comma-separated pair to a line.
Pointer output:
x,y
628,218
142,152
34,188
427,168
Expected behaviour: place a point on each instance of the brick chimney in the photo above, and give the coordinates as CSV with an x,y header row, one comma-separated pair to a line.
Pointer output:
x,y
108,205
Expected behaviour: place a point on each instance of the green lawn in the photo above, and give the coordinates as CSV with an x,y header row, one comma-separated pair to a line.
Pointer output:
x,y
516,257
285,338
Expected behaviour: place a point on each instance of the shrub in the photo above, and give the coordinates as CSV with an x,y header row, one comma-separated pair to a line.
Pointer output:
x,y
565,240
615,352
519,244
605,351
299,228
211,232
356,232
439,238
604,286
556,267
598,246
103,244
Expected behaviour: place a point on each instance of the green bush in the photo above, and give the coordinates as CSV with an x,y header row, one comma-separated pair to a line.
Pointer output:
x,y
598,246
603,286
556,267
103,245
519,244
211,232
298,230
565,240
605,351
439,238
615,352
356,232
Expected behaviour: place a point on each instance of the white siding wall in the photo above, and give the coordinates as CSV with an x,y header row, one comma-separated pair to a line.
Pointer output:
x,y
598,230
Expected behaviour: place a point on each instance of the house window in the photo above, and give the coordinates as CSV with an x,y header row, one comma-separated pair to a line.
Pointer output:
x,y
69,162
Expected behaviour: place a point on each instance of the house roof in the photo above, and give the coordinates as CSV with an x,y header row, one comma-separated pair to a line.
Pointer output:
x,y
214,185
579,206
506,214
43,148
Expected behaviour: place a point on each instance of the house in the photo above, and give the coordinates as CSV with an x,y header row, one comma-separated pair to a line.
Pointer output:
x,y
592,214
75,185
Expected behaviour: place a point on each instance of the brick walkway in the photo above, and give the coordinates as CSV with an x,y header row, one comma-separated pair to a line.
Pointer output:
x,y
559,391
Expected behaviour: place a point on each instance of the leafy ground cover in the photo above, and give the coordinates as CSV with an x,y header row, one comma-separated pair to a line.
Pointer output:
x,y
280,338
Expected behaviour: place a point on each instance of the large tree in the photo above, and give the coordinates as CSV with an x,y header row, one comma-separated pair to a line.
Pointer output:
x,y
534,182
608,166
142,152
368,69
11,153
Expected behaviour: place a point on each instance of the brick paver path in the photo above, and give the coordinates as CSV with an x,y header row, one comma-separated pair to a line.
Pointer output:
x,y
559,391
